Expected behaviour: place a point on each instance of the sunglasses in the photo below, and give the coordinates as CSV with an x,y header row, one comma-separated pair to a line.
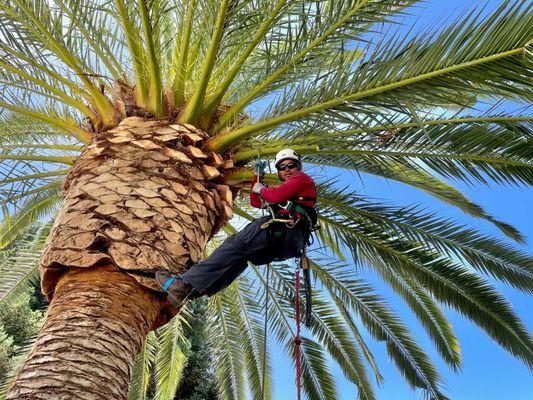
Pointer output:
x,y
287,166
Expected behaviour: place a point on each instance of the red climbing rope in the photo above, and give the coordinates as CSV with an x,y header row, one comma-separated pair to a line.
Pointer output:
x,y
297,339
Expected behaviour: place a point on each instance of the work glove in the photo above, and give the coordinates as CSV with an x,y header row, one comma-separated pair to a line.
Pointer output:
x,y
260,167
257,188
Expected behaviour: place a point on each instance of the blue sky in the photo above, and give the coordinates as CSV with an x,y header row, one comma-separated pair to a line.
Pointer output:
x,y
488,372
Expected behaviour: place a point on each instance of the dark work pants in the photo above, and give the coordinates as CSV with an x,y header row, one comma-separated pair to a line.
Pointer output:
x,y
252,244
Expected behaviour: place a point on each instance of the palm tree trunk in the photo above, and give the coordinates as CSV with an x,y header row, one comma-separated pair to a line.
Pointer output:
x,y
142,197
94,328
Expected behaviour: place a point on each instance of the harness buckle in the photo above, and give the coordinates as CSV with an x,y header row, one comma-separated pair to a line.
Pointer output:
x,y
287,207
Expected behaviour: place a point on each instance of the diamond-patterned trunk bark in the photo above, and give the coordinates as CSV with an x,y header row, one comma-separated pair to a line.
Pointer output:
x,y
94,328
141,197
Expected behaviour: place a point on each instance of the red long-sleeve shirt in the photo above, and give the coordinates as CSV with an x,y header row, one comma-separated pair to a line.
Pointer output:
x,y
299,184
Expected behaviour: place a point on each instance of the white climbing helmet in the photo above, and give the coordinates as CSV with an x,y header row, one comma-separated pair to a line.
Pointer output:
x,y
287,154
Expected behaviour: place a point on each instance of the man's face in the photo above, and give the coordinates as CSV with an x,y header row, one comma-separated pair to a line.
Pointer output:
x,y
287,168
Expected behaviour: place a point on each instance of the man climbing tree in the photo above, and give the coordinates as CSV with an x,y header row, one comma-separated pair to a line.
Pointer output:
x,y
134,123
278,236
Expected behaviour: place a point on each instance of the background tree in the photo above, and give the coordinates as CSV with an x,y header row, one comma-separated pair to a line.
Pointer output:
x,y
143,114
21,310
6,351
198,381
21,316
19,323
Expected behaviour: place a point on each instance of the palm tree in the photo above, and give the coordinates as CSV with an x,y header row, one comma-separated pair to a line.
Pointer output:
x,y
136,121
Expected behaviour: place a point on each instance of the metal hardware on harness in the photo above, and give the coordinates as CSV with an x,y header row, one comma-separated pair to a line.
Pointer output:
x,y
290,223
287,207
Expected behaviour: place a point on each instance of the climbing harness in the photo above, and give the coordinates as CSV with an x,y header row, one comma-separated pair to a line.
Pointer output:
x,y
288,222
291,214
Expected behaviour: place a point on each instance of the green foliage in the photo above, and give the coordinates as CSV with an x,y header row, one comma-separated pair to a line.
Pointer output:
x,y
18,324
140,379
7,349
20,261
19,320
198,382
170,359
21,304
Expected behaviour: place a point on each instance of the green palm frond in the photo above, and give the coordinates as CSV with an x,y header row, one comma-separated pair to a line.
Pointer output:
x,y
331,331
40,205
53,187
428,313
141,369
451,284
480,58
132,33
7,380
317,380
307,33
329,328
475,298
31,155
95,30
382,324
363,348
170,358
194,108
243,315
484,253
19,262
484,149
42,28
229,360
418,178
253,339
330,240
16,129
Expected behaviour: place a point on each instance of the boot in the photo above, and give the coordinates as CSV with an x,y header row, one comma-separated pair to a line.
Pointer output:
x,y
177,290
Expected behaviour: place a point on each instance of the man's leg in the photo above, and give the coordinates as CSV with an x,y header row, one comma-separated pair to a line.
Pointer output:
x,y
293,242
213,271
258,250
228,261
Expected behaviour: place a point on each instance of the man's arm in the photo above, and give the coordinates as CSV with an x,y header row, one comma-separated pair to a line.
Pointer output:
x,y
255,199
287,190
